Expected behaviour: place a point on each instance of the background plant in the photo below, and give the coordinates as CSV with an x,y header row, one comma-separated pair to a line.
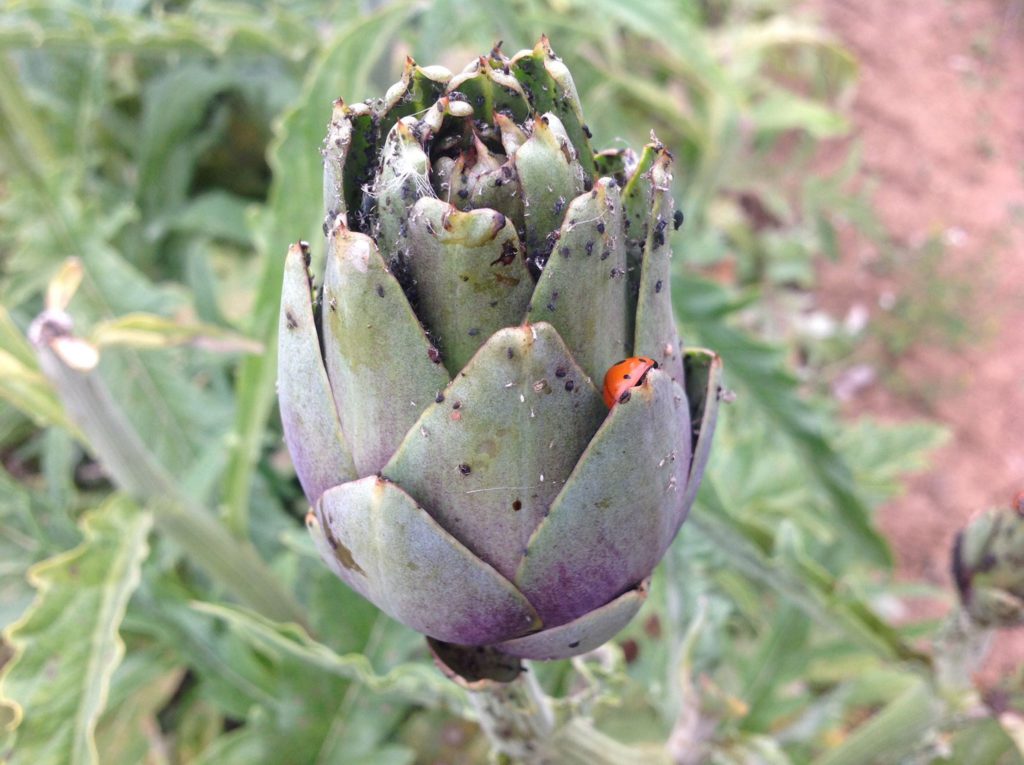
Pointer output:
x,y
171,149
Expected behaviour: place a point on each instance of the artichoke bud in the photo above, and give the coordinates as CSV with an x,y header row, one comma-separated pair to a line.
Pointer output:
x,y
988,567
442,395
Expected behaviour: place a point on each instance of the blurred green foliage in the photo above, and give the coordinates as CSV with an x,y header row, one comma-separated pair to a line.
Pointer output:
x,y
172,148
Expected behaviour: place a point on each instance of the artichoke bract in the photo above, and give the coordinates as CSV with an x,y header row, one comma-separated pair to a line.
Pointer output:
x,y
988,566
440,391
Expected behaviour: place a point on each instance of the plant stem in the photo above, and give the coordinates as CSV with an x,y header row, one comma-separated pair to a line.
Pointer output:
x,y
929,704
960,648
524,729
231,563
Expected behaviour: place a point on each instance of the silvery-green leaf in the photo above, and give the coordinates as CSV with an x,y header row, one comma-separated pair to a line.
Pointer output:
x,y
470,273
703,394
490,90
607,528
582,289
309,417
390,550
656,335
549,176
580,635
488,459
550,87
382,367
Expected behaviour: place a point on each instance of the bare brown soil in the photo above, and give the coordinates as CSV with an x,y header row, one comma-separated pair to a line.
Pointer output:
x,y
939,113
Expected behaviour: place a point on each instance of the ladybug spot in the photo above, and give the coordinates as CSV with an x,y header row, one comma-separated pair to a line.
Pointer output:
x,y
627,376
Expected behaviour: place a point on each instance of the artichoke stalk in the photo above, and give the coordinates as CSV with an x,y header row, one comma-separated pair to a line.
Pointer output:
x,y
440,392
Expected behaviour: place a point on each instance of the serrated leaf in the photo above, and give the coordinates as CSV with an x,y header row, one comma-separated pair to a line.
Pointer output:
x,y
411,681
799,580
70,636
146,330
761,370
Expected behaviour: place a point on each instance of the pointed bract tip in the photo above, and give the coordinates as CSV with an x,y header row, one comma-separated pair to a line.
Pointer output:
x,y
340,228
299,250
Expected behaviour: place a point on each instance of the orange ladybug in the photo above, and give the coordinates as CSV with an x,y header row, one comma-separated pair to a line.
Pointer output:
x,y
626,374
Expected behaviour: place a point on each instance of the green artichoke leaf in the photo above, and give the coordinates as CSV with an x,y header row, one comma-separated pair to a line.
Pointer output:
x,y
512,136
487,460
381,365
418,90
988,567
580,635
381,543
550,88
478,180
403,178
549,176
349,154
612,163
656,334
610,523
703,393
582,290
636,198
469,175
312,429
470,274
489,90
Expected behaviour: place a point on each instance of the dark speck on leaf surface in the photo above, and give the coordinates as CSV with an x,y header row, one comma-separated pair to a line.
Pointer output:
x,y
439,398
517,505
465,469
677,219
380,290
560,372
569,385
457,405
